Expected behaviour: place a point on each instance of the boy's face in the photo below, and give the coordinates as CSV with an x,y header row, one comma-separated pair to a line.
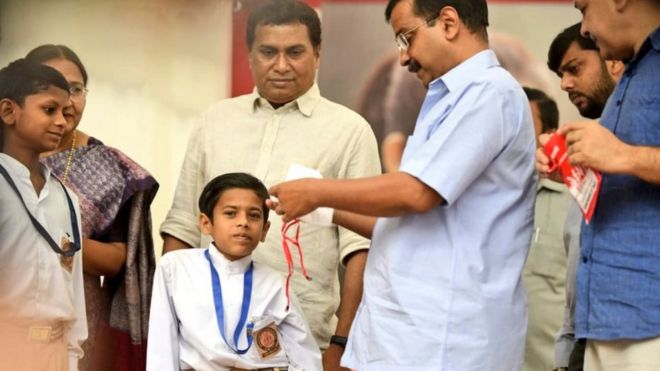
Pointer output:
x,y
238,223
39,123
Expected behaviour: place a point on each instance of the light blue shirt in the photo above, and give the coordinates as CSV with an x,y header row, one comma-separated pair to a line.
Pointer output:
x,y
442,289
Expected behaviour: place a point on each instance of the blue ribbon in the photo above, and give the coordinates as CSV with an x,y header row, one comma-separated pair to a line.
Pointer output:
x,y
245,306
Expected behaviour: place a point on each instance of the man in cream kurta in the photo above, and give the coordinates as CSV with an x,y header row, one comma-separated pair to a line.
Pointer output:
x,y
247,134
42,304
285,121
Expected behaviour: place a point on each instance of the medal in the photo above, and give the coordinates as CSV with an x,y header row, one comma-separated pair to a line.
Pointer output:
x,y
66,260
268,343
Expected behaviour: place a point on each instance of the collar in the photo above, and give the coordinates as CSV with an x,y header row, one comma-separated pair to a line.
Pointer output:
x,y
21,177
16,168
651,42
304,103
466,71
550,185
655,39
223,265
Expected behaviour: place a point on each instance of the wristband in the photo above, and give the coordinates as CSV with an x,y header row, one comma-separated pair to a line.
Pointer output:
x,y
339,340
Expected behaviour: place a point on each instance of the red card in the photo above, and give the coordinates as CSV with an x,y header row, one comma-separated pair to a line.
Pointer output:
x,y
582,182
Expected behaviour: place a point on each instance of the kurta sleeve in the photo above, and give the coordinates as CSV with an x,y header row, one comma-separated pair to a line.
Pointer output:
x,y
362,160
181,220
163,342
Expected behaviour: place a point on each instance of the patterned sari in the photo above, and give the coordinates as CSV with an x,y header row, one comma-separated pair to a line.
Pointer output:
x,y
115,194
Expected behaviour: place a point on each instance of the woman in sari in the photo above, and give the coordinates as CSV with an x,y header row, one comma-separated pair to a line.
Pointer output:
x,y
118,258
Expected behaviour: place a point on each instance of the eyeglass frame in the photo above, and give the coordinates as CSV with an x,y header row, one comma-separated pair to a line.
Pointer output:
x,y
77,90
402,39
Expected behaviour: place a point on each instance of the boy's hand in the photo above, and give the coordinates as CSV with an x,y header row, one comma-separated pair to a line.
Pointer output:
x,y
332,357
293,198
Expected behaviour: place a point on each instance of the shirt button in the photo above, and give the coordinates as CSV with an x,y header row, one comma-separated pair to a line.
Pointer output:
x,y
585,259
618,102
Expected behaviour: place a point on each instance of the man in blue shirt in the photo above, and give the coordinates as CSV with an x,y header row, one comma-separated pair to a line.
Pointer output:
x,y
618,280
589,81
442,286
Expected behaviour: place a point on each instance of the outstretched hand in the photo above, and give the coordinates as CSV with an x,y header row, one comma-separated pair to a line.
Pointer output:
x,y
293,199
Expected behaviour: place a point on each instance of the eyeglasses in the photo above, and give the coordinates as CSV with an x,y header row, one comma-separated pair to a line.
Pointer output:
x,y
403,39
77,90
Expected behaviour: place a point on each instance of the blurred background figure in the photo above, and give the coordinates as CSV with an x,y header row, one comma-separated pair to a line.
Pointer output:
x,y
545,270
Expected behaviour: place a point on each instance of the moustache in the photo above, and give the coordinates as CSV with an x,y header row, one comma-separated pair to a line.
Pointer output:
x,y
572,96
414,66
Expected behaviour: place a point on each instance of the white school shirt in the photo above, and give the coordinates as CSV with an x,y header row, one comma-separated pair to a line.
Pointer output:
x,y
183,329
34,287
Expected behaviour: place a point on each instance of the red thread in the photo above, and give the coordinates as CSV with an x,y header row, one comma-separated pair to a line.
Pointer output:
x,y
287,254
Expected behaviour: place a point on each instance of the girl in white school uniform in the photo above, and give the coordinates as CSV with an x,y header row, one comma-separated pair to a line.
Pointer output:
x,y
216,309
42,304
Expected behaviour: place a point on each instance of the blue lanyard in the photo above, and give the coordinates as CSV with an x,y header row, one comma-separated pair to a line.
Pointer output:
x,y
245,307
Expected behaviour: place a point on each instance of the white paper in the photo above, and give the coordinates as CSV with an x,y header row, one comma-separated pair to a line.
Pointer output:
x,y
321,216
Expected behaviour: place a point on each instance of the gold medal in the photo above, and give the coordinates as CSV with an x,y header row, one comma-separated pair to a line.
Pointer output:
x,y
267,341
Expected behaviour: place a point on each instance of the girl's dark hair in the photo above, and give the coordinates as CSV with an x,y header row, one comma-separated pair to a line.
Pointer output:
x,y
214,189
22,78
44,53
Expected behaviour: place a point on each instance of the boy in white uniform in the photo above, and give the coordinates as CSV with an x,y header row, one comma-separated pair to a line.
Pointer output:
x,y
42,303
216,309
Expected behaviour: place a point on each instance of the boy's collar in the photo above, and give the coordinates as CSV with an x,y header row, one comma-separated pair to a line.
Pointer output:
x,y
20,169
223,264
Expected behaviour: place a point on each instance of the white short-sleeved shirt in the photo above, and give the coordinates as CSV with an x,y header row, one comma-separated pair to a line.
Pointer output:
x,y
442,289
35,289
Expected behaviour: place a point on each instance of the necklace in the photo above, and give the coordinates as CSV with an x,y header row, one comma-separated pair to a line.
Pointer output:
x,y
69,157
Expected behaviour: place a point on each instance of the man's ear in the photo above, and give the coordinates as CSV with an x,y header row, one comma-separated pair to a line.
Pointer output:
x,y
205,224
615,69
264,231
620,5
317,55
250,57
8,111
450,22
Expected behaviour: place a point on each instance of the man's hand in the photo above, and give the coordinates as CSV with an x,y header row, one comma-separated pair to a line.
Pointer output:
x,y
294,198
543,162
592,145
331,358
